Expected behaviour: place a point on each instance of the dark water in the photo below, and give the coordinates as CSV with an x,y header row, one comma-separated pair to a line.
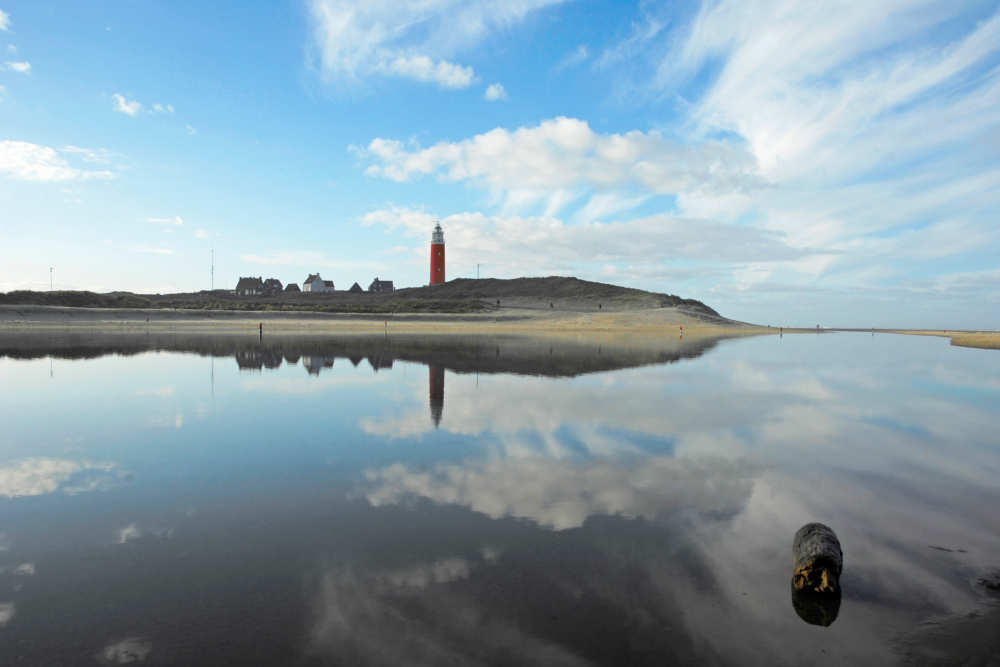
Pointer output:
x,y
212,500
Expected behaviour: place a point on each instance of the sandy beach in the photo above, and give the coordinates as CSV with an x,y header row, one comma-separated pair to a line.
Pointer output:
x,y
987,340
506,321
525,319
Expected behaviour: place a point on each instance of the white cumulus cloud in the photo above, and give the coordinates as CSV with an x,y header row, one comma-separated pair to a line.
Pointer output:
x,y
129,107
495,92
424,69
4,20
562,159
39,476
31,162
562,494
23,67
126,651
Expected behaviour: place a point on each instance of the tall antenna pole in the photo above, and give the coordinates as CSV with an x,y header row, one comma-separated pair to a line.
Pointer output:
x,y
50,278
477,272
213,269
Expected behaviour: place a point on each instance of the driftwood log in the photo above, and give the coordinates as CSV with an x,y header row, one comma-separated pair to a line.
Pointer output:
x,y
816,578
818,560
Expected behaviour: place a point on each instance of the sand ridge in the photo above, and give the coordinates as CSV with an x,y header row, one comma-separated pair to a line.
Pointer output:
x,y
513,320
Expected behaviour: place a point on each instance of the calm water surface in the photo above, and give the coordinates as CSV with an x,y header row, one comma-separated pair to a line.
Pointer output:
x,y
308,501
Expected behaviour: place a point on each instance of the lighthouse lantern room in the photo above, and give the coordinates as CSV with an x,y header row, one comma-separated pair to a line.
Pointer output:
x,y
437,255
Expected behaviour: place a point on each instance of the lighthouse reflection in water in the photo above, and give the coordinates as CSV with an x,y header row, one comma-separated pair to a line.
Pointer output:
x,y
206,500
435,382
272,357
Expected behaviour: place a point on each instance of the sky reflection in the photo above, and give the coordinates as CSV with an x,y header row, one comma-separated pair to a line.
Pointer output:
x,y
624,502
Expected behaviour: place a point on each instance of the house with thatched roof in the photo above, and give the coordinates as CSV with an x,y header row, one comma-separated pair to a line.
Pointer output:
x,y
250,286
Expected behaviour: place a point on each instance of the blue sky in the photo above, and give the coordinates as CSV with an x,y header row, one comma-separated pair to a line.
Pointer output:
x,y
792,163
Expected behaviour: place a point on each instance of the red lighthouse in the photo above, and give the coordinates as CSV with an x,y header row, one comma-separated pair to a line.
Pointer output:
x,y
437,255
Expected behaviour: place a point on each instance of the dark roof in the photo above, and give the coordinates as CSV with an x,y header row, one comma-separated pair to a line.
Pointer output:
x,y
328,283
249,283
272,283
355,288
292,287
313,277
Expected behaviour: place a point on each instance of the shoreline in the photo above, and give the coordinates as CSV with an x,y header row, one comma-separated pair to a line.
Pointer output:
x,y
507,320
510,321
983,340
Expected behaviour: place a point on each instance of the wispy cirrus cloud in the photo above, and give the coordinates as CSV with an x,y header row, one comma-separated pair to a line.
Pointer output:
x,y
91,155
23,67
26,161
152,250
354,40
4,21
870,123
175,220
310,259
549,245
576,57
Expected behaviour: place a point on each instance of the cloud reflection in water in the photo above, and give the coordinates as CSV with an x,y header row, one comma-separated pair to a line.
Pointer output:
x,y
39,476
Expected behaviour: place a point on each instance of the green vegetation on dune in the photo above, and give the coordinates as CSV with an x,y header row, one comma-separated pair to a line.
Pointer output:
x,y
77,299
557,287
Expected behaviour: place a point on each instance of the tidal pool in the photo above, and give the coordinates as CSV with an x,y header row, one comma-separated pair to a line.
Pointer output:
x,y
205,500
